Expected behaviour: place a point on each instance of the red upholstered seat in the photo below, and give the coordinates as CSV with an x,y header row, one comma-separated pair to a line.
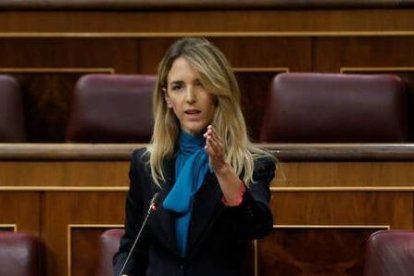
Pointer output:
x,y
11,111
112,108
109,245
390,253
19,255
318,107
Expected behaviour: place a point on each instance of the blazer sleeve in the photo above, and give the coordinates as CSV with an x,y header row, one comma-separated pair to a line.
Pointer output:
x,y
134,216
253,218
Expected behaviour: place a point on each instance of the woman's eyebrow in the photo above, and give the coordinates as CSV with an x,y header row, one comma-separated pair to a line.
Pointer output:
x,y
176,82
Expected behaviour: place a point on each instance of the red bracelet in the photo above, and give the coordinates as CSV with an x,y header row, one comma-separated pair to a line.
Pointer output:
x,y
237,201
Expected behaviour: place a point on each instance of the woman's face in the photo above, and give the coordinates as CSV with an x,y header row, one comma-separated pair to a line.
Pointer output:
x,y
193,105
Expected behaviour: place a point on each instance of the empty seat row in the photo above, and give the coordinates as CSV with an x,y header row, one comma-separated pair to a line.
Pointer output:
x,y
301,108
388,252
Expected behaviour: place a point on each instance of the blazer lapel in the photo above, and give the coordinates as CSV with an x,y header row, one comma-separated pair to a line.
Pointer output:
x,y
206,207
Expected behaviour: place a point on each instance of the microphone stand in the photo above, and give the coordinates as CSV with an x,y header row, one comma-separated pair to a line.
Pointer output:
x,y
153,206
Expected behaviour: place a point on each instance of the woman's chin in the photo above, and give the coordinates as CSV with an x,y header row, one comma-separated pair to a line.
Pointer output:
x,y
195,130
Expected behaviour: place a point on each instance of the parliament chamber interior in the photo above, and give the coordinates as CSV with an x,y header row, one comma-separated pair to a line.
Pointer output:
x,y
327,87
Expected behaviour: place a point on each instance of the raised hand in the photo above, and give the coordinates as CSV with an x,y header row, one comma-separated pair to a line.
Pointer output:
x,y
215,149
229,182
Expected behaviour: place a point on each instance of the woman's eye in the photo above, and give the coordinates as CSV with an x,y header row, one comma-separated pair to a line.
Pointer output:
x,y
199,84
176,87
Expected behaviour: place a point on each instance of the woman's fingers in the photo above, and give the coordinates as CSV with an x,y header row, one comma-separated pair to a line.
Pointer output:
x,y
214,148
213,141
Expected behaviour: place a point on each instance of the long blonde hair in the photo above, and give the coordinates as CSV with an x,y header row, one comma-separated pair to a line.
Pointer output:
x,y
219,79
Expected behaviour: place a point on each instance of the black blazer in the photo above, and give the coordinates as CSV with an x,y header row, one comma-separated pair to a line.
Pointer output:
x,y
218,234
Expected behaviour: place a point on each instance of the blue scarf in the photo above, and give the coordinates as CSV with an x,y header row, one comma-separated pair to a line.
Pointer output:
x,y
191,167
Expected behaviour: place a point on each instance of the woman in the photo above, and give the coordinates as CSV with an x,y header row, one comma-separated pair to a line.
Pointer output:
x,y
213,183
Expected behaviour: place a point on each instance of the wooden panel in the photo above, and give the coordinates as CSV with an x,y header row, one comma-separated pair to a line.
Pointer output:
x,y
242,52
151,52
21,209
308,251
378,51
85,253
357,152
61,174
84,248
290,174
50,213
267,52
265,20
69,53
333,53
345,174
194,4
62,209
344,208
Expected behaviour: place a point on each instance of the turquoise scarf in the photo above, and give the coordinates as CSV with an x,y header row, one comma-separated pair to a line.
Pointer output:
x,y
190,169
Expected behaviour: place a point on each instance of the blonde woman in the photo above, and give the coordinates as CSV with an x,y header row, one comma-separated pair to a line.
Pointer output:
x,y
213,182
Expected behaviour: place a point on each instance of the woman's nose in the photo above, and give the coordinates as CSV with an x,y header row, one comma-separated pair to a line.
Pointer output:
x,y
190,95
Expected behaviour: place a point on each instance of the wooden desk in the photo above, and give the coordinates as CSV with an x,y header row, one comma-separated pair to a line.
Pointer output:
x,y
327,199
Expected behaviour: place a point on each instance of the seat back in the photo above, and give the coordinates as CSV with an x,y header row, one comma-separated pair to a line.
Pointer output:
x,y
19,254
111,108
389,253
318,107
108,246
11,111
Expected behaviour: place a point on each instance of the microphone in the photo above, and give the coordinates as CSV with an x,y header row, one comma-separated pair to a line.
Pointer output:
x,y
152,207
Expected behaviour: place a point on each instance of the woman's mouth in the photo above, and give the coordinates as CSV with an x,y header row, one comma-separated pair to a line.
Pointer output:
x,y
192,113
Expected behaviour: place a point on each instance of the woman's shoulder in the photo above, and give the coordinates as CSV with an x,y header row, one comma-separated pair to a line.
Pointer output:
x,y
140,156
139,165
264,161
264,168
138,152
